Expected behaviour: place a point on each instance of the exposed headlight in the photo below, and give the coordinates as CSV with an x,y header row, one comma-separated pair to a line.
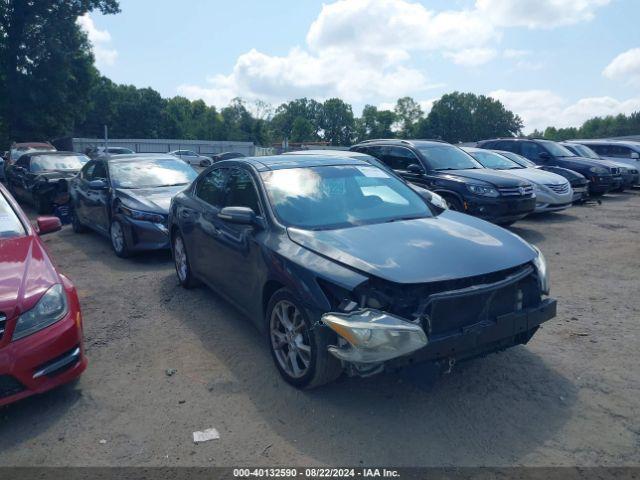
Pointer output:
x,y
49,309
483,190
140,215
374,336
541,267
598,170
439,201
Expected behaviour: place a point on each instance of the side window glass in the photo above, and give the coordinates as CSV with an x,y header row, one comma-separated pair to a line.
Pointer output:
x,y
373,151
400,158
599,149
505,145
100,171
621,152
241,192
210,189
531,150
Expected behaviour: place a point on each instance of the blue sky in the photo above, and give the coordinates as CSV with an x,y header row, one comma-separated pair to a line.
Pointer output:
x,y
554,62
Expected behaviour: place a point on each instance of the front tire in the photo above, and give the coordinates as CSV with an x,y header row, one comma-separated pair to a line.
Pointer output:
x,y
119,239
182,262
299,350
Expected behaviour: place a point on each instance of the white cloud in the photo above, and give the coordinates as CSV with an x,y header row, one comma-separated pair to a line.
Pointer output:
x,y
542,108
625,66
100,39
361,50
472,57
538,13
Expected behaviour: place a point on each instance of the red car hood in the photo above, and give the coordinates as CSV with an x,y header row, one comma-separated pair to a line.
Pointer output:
x,y
26,272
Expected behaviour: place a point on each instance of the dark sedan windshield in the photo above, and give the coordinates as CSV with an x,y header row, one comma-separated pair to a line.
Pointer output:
x,y
556,149
493,160
150,173
584,151
42,163
519,159
340,196
448,157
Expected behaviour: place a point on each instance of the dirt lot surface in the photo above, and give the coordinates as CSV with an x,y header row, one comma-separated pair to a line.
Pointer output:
x,y
571,397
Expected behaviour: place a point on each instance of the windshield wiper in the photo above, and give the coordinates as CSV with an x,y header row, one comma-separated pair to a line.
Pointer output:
x,y
448,168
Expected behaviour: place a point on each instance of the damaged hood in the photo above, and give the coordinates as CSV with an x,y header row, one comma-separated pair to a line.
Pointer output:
x,y
156,200
450,246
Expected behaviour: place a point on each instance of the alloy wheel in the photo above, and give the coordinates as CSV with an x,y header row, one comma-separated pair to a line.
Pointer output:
x,y
290,339
180,258
117,237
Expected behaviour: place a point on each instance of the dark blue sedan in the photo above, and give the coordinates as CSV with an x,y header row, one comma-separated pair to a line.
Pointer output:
x,y
347,269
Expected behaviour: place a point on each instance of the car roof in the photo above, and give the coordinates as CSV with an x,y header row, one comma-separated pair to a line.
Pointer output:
x,y
401,142
139,156
281,162
40,153
631,143
32,145
330,153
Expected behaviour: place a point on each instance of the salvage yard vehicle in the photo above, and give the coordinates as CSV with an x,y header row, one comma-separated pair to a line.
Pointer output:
x,y
126,198
95,152
602,177
629,173
624,151
192,158
41,343
295,242
579,184
454,175
553,192
40,178
428,195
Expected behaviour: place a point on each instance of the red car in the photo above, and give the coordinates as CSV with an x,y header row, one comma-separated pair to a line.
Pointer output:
x,y
40,320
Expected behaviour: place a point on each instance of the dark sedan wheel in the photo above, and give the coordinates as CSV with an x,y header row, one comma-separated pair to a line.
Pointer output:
x,y
181,261
119,239
299,351
454,204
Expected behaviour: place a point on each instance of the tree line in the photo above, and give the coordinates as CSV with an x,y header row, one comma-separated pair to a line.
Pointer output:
x,y
50,88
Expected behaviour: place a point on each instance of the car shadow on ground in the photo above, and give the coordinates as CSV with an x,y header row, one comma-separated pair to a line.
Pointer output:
x,y
28,418
487,411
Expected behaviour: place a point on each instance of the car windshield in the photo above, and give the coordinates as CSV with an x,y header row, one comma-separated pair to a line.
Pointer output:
x,y
150,173
584,151
556,149
448,157
40,163
330,197
10,224
519,159
494,160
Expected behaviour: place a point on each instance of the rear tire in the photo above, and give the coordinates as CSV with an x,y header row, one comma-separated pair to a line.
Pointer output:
x,y
299,350
119,240
182,262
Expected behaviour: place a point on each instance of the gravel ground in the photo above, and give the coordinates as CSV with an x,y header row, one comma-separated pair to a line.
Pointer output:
x,y
571,397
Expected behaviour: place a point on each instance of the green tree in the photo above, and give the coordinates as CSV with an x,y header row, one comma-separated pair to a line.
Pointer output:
x,y
374,123
408,113
286,114
46,66
337,122
464,117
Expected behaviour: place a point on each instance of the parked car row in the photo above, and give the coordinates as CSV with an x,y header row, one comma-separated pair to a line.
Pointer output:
x,y
348,262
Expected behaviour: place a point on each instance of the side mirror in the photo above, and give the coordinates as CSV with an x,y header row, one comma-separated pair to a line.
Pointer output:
x,y
635,156
98,185
205,162
415,168
240,215
48,225
544,156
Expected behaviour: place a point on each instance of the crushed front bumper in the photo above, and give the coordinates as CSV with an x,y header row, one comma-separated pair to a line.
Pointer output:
x,y
482,338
